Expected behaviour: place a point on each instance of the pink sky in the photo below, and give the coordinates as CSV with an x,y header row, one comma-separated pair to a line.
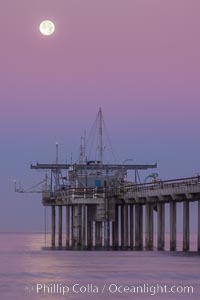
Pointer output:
x,y
138,60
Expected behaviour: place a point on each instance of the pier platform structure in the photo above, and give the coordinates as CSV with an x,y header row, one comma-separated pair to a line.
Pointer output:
x,y
111,217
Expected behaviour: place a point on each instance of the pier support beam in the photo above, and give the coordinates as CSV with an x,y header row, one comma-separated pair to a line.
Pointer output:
x,y
107,233
138,226
103,234
186,225
125,225
99,228
53,225
93,233
76,227
119,215
83,236
110,233
89,235
115,228
60,226
198,248
131,226
172,226
70,225
149,226
86,226
161,226
67,226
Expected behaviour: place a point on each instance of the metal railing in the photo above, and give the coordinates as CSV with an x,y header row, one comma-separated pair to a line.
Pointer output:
x,y
98,192
161,185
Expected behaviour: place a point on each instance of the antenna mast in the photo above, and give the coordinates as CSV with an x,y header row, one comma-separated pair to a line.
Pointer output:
x,y
84,147
81,159
57,171
56,153
100,136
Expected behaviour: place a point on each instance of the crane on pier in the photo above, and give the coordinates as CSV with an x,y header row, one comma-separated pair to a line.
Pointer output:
x,y
39,187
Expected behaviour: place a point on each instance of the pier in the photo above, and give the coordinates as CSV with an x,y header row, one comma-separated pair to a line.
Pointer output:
x,y
112,217
101,209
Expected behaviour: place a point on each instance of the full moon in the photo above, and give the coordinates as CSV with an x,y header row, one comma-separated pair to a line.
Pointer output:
x,y
47,27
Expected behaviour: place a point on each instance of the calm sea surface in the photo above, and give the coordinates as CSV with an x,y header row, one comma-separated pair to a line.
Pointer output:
x,y
27,272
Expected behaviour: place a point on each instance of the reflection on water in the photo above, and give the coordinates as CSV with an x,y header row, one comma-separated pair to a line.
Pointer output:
x,y
24,264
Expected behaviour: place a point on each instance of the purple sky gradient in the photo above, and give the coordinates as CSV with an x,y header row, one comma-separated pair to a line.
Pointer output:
x,y
138,60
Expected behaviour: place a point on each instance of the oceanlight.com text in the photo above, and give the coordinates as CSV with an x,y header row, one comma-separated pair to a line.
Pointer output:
x,y
108,288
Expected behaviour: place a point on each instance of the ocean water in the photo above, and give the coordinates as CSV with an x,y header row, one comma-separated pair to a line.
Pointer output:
x,y
28,272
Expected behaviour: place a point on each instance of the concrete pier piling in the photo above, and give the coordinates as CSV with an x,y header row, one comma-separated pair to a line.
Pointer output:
x,y
149,226
119,244
70,225
103,234
110,234
198,230
53,226
131,226
125,225
161,226
93,233
60,226
74,226
86,226
115,229
82,229
172,226
186,225
138,226
67,226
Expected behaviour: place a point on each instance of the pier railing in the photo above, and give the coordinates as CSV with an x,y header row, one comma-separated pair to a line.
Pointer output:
x,y
159,184
82,192
189,187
